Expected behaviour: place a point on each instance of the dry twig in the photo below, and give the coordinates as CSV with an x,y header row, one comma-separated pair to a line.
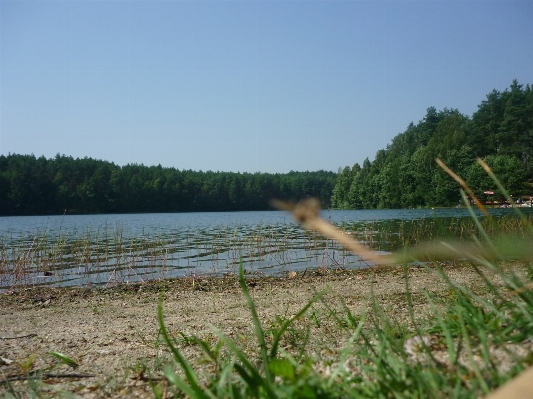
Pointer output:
x,y
306,212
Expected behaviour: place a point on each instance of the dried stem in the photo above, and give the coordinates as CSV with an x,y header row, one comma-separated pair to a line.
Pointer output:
x,y
306,212
463,185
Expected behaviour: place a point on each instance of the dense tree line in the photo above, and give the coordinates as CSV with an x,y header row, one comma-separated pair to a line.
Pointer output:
x,y
405,174
37,186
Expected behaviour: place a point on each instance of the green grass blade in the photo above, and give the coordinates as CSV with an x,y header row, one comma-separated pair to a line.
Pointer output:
x,y
64,359
247,370
448,336
346,351
257,324
478,224
468,347
192,378
179,383
287,323
225,379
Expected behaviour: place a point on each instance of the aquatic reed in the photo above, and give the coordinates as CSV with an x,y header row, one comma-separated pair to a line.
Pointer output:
x,y
112,257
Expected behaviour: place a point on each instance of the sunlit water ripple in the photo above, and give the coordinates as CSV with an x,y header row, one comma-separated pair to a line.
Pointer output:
x,y
95,250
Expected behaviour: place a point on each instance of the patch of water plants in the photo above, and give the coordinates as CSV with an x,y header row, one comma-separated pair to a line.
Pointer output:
x,y
112,257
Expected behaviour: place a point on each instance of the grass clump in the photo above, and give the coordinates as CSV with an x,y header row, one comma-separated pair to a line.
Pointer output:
x,y
238,376
471,342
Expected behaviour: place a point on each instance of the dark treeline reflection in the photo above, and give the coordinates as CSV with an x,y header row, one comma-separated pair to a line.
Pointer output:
x,y
39,186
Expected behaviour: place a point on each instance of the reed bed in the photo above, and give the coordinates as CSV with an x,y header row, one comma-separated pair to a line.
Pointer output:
x,y
100,258
96,258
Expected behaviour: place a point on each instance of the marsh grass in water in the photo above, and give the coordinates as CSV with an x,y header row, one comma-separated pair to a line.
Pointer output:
x,y
101,258
111,257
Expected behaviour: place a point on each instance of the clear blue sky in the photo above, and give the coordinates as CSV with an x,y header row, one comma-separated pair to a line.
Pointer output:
x,y
249,86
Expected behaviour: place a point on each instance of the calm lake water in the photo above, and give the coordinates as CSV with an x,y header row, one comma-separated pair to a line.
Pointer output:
x,y
100,250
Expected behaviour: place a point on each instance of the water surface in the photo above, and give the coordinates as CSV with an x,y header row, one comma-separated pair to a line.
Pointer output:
x,y
108,249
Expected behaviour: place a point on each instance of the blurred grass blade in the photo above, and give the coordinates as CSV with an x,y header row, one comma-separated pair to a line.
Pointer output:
x,y
307,213
520,387
225,375
288,322
64,359
346,351
187,368
180,383
257,324
476,221
470,353
503,190
463,185
448,336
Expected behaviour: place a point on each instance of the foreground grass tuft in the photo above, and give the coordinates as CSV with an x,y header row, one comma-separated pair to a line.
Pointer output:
x,y
468,346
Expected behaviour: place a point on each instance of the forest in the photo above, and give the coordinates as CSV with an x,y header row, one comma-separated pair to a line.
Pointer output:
x,y
405,174
41,186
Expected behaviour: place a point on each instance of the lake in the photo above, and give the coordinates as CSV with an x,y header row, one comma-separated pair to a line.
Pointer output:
x,y
96,250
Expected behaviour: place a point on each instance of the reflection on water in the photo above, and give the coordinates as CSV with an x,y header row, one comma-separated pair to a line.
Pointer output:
x,y
107,249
